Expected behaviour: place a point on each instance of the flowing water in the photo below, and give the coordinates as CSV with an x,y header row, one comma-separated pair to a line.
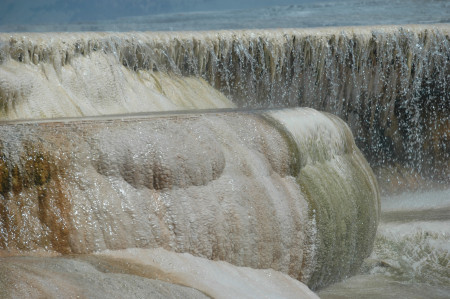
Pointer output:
x,y
180,164
388,83
411,251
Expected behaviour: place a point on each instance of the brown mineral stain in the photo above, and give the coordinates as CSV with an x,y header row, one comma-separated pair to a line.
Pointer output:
x,y
37,178
5,185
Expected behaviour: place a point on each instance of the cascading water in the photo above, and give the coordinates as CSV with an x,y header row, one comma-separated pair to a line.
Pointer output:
x,y
252,184
389,83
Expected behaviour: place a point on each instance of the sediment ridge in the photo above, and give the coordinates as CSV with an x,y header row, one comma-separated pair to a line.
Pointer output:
x,y
280,189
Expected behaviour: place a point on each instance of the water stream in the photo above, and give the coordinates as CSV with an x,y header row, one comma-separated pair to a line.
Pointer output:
x,y
158,160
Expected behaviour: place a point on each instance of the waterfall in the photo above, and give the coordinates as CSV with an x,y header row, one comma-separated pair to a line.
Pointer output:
x,y
209,147
389,83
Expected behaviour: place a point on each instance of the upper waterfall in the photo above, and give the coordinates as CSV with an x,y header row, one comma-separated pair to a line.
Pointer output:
x,y
389,83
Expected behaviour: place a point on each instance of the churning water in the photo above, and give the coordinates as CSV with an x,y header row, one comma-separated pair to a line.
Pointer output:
x,y
411,252
178,164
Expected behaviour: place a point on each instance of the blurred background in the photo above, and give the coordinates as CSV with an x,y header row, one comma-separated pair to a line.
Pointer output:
x,y
168,15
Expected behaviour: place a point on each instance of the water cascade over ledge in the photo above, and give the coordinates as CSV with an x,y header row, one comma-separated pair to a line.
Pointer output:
x,y
282,189
172,156
389,83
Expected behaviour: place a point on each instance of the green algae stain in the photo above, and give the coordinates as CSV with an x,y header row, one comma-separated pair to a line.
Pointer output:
x,y
295,157
343,208
343,201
